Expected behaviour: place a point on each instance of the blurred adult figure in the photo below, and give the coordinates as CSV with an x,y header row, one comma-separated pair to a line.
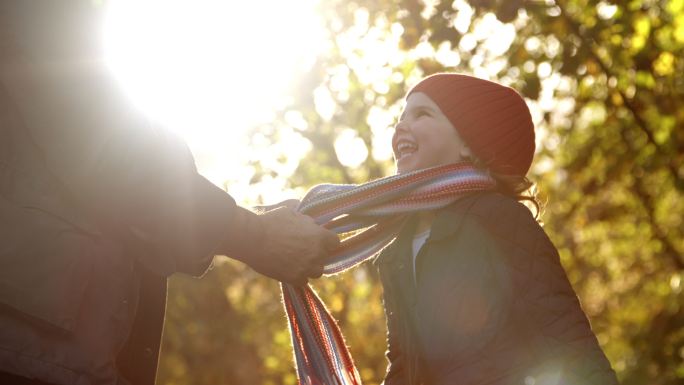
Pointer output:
x,y
98,207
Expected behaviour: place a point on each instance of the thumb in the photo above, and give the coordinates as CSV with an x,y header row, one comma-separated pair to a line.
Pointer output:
x,y
290,203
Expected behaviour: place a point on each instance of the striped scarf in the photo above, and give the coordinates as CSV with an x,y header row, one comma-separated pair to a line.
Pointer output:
x,y
373,212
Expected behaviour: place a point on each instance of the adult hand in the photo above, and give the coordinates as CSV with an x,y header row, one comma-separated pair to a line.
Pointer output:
x,y
295,247
291,247
289,203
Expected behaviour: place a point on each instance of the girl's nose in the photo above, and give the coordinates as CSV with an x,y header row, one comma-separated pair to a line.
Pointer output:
x,y
401,126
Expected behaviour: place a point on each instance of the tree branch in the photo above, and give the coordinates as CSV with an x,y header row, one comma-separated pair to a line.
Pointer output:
x,y
660,235
640,121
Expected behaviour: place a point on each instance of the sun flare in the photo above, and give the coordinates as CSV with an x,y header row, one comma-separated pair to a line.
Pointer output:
x,y
208,69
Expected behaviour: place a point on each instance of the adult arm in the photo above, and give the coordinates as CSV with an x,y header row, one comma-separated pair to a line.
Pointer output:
x,y
140,181
137,180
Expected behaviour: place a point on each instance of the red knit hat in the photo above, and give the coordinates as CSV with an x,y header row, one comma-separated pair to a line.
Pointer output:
x,y
492,119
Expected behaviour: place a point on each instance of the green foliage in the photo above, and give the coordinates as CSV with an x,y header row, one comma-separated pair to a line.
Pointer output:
x,y
606,80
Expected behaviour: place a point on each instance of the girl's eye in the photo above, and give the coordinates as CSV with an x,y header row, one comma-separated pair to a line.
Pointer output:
x,y
420,113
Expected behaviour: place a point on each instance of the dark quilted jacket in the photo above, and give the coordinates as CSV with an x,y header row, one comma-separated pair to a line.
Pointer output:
x,y
492,304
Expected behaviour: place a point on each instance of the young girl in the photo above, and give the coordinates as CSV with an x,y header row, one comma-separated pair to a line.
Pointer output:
x,y
475,292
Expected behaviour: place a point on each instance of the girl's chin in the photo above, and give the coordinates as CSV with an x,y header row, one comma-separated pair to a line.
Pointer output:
x,y
412,163
407,164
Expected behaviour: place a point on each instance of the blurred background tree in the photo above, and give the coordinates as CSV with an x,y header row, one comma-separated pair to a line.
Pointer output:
x,y
605,82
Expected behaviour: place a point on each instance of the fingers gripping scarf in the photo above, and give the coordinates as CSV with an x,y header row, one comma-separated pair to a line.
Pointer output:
x,y
379,207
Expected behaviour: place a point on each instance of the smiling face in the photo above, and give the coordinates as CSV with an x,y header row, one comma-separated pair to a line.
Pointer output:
x,y
424,137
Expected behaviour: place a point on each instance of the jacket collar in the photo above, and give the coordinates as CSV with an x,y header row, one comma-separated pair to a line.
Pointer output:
x,y
447,223
390,252
448,220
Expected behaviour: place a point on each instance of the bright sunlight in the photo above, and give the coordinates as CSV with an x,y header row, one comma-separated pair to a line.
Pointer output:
x,y
209,69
